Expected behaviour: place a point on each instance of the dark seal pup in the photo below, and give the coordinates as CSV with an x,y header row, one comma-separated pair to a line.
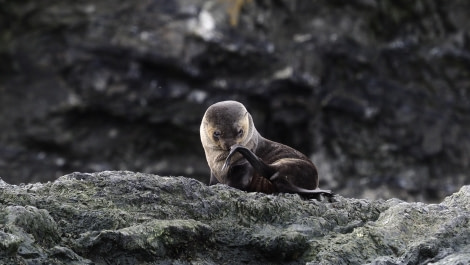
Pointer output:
x,y
240,157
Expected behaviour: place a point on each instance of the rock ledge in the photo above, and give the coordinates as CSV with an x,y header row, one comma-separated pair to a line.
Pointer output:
x,y
117,217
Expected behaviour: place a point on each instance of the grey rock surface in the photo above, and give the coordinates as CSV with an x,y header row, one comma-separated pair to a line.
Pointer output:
x,y
376,92
121,217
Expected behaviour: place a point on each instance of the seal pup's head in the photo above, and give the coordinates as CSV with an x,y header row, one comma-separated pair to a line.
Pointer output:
x,y
225,124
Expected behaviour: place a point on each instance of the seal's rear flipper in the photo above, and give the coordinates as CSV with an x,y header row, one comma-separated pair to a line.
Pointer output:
x,y
317,194
329,197
262,168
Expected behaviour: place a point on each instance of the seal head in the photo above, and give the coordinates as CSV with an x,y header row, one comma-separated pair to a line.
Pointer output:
x,y
224,125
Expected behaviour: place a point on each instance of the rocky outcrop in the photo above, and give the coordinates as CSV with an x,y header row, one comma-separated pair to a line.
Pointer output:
x,y
376,92
134,218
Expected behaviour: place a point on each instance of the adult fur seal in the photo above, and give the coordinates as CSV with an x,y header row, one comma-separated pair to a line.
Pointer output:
x,y
240,157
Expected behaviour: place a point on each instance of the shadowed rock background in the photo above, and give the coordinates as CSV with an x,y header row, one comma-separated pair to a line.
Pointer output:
x,y
376,92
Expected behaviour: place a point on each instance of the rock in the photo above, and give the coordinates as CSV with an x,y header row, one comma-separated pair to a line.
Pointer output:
x,y
375,88
134,218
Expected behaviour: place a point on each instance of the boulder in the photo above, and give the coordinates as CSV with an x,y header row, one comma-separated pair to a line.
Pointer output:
x,y
122,217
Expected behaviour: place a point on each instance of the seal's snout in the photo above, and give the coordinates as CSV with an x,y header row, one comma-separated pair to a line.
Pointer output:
x,y
227,145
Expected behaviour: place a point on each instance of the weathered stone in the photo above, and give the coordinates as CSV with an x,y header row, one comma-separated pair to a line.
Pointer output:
x,y
134,218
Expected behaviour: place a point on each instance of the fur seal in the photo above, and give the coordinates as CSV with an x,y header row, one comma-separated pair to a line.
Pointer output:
x,y
240,157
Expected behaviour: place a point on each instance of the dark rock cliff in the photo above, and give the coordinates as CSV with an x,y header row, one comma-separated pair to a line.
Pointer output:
x,y
133,218
376,92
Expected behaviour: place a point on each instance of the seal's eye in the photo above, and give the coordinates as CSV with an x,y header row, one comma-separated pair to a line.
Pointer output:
x,y
240,133
216,135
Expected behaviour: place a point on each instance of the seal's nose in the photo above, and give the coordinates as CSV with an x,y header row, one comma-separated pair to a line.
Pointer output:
x,y
227,144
